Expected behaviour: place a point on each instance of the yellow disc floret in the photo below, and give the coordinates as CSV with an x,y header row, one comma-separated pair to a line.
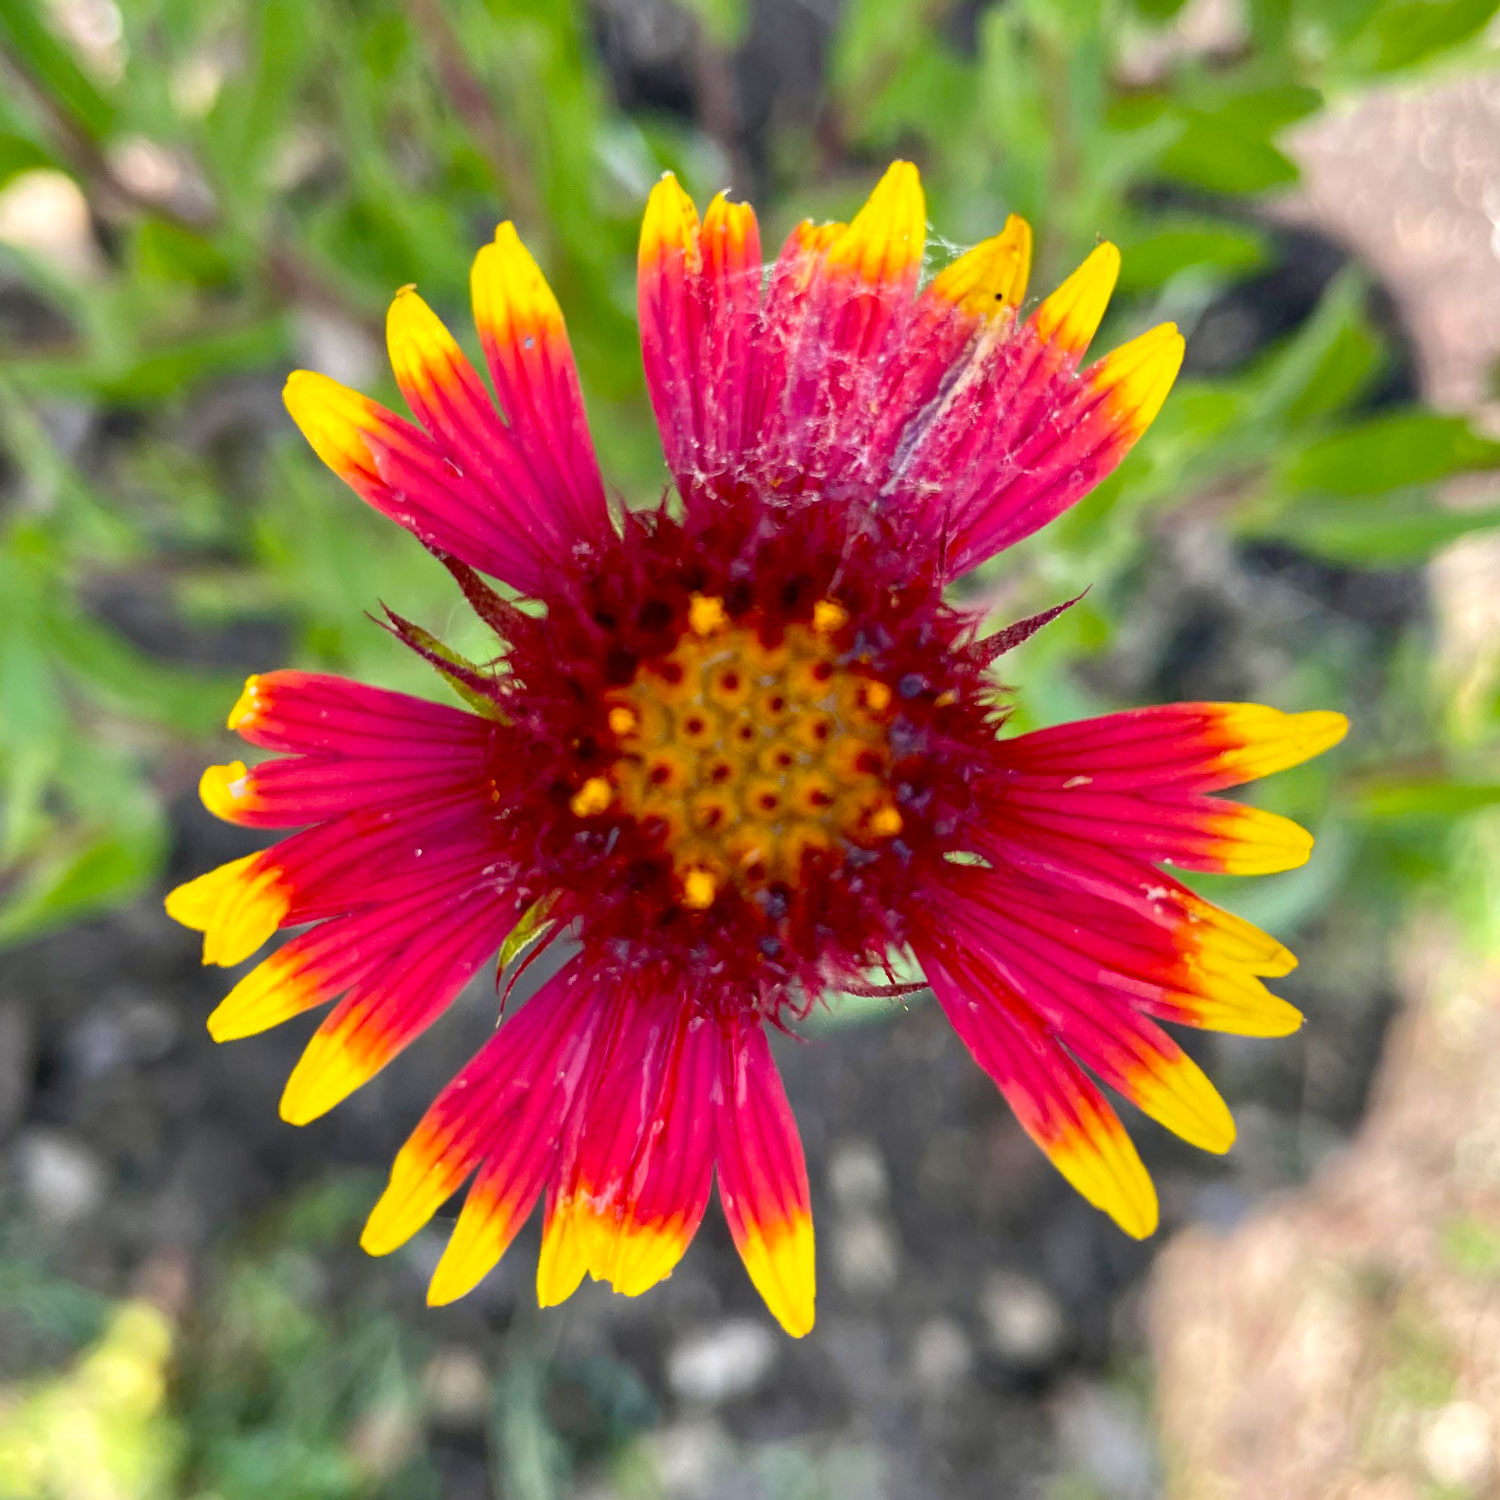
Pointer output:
x,y
749,756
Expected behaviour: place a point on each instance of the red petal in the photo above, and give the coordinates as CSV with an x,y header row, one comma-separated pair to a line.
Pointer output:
x,y
531,362
407,476
414,982
763,1177
504,1108
699,300
1055,1103
634,1187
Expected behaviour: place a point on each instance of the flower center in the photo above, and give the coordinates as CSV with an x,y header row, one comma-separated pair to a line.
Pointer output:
x,y
751,758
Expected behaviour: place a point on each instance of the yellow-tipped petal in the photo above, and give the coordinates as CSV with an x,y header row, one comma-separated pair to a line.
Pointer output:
x,y
194,903
1070,317
1237,1003
423,352
1257,842
1178,1095
780,1260
335,420
1265,740
886,237
992,276
727,228
422,1180
462,1266
486,1226
272,992
1222,938
328,1071
247,705
236,908
1136,377
815,239
226,791
564,1258
1101,1162
511,296
645,1255
670,224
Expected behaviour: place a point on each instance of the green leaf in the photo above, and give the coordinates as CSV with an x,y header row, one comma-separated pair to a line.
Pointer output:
x,y
1218,155
1386,452
533,925
67,884
154,370
1383,532
1409,32
1430,799
166,251
1174,246
1290,383
53,67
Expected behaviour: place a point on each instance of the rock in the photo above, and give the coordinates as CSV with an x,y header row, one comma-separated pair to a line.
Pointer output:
x,y
721,1363
17,1051
1105,1436
942,1358
332,343
383,1438
457,1387
63,1180
127,1029
857,1176
45,213
866,1262
1025,1325
688,1456
1457,1446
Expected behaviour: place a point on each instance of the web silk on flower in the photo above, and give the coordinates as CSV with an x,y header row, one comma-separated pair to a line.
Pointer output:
x,y
739,751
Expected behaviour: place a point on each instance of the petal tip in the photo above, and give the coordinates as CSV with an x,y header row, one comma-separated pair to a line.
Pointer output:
x,y
246,705
1321,729
1137,377
1070,317
885,239
669,224
325,1075
991,278
380,1236
335,421
225,791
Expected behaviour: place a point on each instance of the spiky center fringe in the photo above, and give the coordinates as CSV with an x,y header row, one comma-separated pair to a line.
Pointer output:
x,y
740,740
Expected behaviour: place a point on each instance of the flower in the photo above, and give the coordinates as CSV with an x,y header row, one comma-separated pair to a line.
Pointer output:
x,y
739,752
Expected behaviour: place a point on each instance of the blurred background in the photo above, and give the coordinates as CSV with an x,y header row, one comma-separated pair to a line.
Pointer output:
x,y
197,195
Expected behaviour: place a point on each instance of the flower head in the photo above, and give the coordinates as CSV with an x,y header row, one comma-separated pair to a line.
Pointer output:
x,y
739,751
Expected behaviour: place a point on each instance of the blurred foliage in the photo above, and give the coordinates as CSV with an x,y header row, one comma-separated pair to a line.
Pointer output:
x,y
246,183
100,1428
251,181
